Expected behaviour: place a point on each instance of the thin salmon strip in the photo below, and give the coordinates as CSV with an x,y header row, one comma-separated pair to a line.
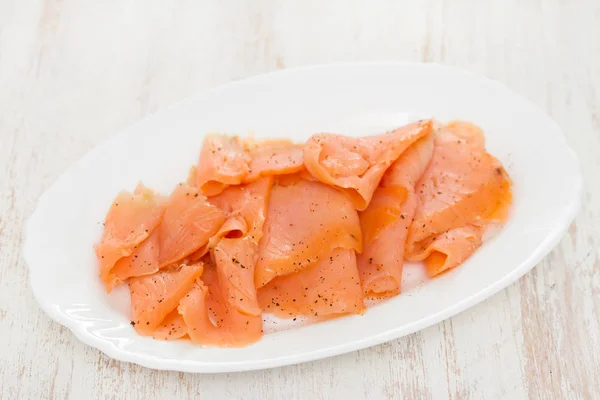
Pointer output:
x,y
463,184
130,219
452,248
236,254
386,208
194,311
171,328
305,221
236,261
329,287
143,261
381,262
386,221
153,297
274,157
223,162
188,223
356,165
212,320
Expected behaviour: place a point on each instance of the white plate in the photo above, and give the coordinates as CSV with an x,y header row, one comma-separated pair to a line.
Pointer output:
x,y
352,99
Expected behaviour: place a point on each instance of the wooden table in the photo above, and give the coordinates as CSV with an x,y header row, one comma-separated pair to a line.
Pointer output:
x,y
72,72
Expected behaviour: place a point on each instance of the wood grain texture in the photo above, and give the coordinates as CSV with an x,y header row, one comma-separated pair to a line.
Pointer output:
x,y
73,72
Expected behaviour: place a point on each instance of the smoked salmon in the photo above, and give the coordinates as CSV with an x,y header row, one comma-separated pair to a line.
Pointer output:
x,y
171,328
228,160
462,185
143,260
273,157
153,297
236,252
386,221
223,162
305,221
212,320
131,218
189,222
451,248
329,287
356,165
299,230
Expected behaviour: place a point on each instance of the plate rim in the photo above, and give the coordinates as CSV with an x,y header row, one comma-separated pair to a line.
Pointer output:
x,y
551,240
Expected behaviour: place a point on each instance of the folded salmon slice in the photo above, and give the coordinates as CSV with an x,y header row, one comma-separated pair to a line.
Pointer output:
x,y
273,157
143,260
452,248
248,202
329,287
228,160
188,223
153,297
171,328
212,320
234,226
130,220
386,221
463,185
235,252
223,161
356,165
305,222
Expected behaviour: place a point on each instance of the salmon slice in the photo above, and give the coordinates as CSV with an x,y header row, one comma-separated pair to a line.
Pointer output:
x,y
223,161
153,297
452,248
273,157
188,223
463,184
235,260
248,202
328,287
130,219
235,252
191,178
356,165
234,226
228,160
389,216
143,261
386,221
409,167
171,328
305,221
466,131
212,320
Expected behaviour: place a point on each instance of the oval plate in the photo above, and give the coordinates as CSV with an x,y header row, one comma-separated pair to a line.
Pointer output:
x,y
353,99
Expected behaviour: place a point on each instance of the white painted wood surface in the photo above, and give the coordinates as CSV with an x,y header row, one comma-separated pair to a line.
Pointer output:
x,y
72,72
